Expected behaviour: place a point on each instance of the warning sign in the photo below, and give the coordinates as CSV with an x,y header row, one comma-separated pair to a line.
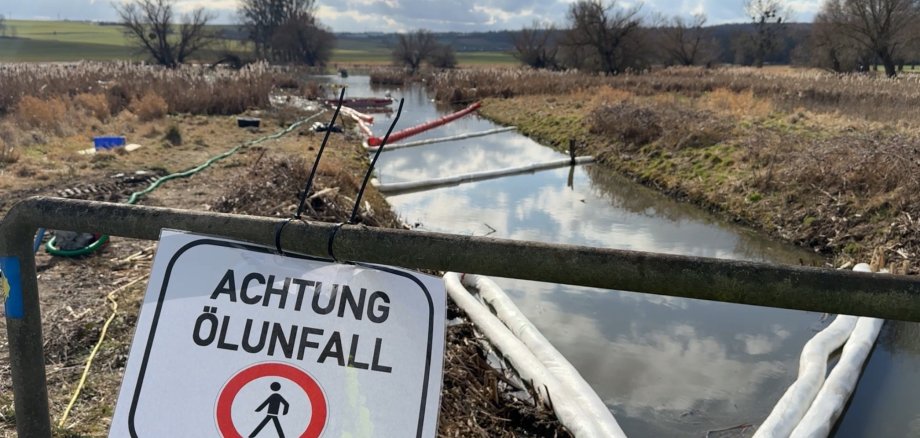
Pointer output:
x,y
235,341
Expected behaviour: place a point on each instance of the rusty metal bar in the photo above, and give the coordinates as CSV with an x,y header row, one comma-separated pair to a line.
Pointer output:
x,y
791,287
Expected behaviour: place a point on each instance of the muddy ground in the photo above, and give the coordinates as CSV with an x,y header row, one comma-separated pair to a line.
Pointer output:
x,y
261,180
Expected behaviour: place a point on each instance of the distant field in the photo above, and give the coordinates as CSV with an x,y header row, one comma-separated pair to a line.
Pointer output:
x,y
49,41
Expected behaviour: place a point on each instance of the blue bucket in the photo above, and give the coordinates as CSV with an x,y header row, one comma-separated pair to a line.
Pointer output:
x,y
108,142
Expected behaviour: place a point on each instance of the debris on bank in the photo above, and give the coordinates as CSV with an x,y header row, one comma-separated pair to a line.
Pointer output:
x,y
477,399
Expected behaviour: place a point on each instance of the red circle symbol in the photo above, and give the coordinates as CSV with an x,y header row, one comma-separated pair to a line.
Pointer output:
x,y
302,379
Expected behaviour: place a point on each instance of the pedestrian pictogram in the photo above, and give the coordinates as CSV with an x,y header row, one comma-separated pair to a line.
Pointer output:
x,y
236,341
273,403
271,400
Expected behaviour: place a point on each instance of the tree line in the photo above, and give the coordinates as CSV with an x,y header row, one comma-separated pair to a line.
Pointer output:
x,y
278,30
846,36
598,36
285,31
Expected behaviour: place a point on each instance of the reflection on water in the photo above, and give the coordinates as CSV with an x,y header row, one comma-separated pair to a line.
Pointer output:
x,y
665,366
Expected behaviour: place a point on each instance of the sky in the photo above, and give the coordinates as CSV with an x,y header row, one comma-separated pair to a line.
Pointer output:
x,y
403,15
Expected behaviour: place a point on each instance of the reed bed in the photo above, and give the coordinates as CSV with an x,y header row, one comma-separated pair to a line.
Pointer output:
x,y
857,95
191,89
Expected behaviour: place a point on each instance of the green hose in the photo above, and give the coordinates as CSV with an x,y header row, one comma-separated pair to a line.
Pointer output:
x,y
136,196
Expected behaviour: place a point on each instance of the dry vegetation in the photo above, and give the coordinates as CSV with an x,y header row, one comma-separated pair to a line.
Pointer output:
x,y
179,118
829,162
862,97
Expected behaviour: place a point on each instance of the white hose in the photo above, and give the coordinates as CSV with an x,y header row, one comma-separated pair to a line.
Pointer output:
x,y
477,176
524,330
840,384
812,369
569,412
412,144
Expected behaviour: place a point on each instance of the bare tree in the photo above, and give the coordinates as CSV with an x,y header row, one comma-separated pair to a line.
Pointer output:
x,y
413,48
687,42
829,48
443,56
886,28
536,46
263,19
605,33
301,39
151,24
769,17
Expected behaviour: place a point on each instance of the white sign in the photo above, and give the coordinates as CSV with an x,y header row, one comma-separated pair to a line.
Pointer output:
x,y
235,341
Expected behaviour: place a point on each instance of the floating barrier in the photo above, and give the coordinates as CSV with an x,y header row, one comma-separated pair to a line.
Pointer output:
x,y
563,398
363,120
412,144
793,405
362,102
357,115
408,132
840,384
812,404
552,359
412,186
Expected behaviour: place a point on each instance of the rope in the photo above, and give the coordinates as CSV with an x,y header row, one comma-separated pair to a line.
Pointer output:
x,y
136,196
92,355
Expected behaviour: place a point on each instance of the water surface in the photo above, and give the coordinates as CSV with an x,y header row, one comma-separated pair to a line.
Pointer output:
x,y
665,366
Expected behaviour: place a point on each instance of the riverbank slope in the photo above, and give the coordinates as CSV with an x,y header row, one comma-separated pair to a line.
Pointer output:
x,y
826,162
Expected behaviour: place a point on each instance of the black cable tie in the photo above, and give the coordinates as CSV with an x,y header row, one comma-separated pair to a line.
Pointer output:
x,y
335,231
319,155
279,227
370,170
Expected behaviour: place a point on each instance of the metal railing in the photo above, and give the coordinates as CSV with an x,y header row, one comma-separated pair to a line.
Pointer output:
x,y
761,284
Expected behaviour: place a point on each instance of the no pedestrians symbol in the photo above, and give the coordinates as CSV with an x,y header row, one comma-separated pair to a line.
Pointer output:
x,y
234,340
294,404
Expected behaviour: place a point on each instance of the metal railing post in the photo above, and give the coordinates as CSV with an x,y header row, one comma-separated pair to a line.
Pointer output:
x,y
24,333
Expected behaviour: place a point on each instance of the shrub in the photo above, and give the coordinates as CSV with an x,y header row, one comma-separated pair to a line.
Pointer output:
x,y
8,154
45,114
149,107
383,76
97,105
117,98
173,135
631,124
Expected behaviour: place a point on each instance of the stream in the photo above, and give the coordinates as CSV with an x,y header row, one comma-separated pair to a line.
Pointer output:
x,y
664,366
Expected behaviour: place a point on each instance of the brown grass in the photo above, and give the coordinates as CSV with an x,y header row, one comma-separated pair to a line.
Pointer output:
x,y
828,180
47,114
859,96
149,107
8,154
741,104
95,104
191,89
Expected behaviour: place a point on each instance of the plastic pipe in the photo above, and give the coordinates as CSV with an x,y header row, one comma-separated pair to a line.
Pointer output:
x,y
478,176
408,132
552,359
411,144
530,369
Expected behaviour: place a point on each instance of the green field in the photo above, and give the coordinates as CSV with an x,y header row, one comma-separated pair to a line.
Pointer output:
x,y
50,41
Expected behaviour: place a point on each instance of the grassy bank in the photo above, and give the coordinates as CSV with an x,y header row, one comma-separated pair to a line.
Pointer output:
x,y
791,153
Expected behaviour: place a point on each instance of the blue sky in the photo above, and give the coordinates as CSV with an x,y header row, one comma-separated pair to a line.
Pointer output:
x,y
400,15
